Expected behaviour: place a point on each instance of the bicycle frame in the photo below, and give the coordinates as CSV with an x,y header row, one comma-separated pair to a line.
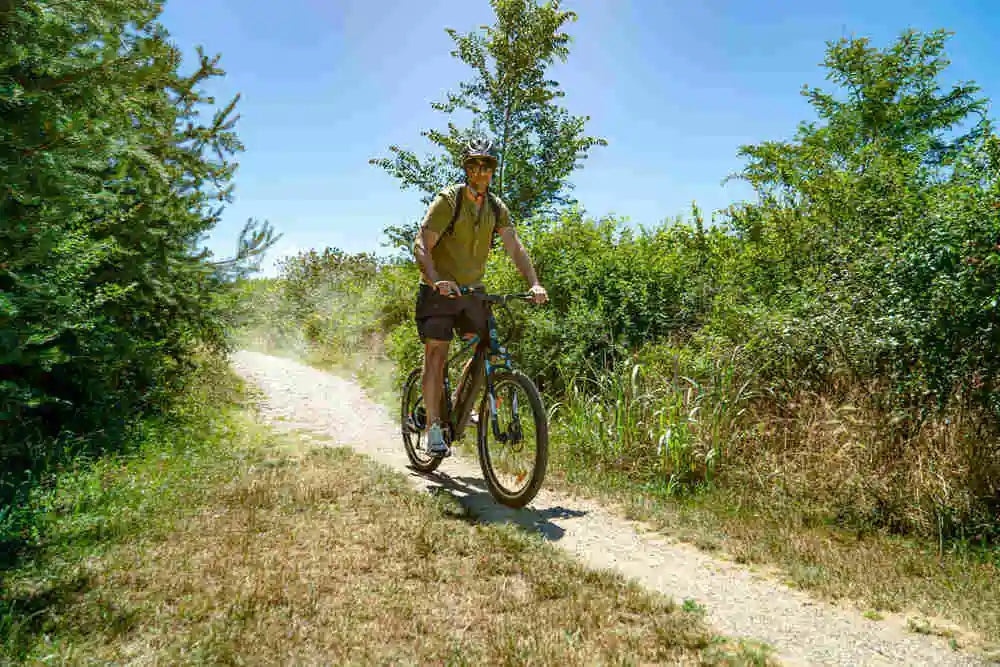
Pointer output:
x,y
485,360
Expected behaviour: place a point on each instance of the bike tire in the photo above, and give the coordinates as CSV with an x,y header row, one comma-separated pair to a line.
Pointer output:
x,y
409,429
521,497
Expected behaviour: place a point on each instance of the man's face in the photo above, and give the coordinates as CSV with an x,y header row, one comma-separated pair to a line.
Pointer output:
x,y
479,174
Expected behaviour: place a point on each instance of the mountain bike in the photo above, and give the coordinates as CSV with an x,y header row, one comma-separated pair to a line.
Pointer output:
x,y
512,431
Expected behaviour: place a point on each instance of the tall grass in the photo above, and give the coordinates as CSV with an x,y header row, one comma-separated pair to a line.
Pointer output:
x,y
674,427
668,431
835,454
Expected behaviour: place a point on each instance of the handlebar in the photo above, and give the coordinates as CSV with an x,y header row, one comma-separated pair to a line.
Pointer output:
x,y
494,298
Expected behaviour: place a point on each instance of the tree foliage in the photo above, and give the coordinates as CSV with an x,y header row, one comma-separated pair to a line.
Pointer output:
x,y
510,98
111,177
885,213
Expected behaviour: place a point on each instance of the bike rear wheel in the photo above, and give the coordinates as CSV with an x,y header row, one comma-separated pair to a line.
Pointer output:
x,y
513,439
413,424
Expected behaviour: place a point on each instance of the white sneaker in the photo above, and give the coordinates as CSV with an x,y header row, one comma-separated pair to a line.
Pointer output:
x,y
436,445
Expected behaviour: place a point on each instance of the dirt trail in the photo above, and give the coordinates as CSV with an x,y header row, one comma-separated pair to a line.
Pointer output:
x,y
738,602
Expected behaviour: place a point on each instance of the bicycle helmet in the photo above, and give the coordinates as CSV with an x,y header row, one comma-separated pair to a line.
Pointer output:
x,y
479,148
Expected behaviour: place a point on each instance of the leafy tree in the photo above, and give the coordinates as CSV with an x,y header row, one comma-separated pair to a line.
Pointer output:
x,y
111,178
893,132
510,98
866,217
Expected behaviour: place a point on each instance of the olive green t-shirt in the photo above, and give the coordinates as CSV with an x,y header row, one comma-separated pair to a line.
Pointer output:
x,y
461,255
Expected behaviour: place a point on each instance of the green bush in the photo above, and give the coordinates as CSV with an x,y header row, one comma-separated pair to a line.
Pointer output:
x,y
611,290
332,305
874,237
111,178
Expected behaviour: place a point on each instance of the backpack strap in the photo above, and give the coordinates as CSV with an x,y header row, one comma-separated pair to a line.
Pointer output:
x,y
495,205
455,211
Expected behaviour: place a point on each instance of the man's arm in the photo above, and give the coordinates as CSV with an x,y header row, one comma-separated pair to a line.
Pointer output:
x,y
516,251
425,242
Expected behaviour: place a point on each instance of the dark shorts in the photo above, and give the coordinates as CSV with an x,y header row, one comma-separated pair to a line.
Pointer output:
x,y
437,315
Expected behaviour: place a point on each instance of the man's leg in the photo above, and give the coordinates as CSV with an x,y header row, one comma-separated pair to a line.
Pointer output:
x,y
435,354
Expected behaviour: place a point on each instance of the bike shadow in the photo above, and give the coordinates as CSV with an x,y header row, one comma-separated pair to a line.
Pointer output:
x,y
480,507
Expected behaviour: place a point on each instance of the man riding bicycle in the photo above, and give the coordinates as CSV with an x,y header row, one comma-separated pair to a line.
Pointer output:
x,y
451,248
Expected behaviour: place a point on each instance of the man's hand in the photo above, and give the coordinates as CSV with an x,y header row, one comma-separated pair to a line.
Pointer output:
x,y
538,294
446,288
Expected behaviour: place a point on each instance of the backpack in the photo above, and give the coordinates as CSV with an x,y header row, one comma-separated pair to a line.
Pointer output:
x,y
494,204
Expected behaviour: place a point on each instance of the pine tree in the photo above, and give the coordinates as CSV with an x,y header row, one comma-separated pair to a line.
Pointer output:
x,y
111,179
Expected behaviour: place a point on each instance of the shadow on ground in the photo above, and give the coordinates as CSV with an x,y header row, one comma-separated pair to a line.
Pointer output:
x,y
480,507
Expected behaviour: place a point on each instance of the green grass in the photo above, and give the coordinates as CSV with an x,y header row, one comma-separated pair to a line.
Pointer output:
x,y
91,506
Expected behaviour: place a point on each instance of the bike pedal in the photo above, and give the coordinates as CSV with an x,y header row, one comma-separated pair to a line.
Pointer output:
x,y
440,455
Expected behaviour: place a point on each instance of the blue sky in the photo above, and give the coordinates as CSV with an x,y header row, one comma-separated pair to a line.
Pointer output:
x,y
675,87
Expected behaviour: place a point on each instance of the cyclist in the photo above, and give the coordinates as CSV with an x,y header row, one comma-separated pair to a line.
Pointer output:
x,y
452,248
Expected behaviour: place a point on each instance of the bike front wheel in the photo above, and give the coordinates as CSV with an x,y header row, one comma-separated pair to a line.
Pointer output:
x,y
513,439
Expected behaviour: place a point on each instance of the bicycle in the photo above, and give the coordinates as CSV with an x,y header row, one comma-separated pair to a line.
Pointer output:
x,y
500,414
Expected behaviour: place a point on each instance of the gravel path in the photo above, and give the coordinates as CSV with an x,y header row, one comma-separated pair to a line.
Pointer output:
x,y
738,603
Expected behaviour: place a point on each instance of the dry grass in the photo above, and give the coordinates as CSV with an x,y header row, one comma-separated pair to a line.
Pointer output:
x,y
315,555
957,594
817,488
824,488
846,457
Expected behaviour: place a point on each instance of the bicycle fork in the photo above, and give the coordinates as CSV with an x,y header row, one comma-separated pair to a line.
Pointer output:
x,y
513,433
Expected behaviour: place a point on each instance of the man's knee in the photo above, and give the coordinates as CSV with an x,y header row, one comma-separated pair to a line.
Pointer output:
x,y
435,353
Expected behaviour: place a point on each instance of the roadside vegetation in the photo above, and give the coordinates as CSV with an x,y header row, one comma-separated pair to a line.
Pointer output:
x,y
115,164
